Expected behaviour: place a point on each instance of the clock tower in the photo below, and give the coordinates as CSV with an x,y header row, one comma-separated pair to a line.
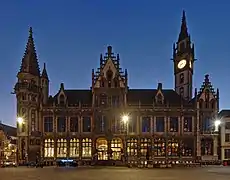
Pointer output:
x,y
183,58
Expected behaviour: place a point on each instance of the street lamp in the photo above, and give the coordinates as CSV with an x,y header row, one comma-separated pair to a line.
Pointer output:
x,y
125,120
20,120
217,124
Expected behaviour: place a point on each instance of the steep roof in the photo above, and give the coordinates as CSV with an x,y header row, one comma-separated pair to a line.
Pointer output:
x,y
134,96
8,130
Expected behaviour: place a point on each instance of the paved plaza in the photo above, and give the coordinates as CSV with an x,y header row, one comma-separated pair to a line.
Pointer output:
x,y
114,173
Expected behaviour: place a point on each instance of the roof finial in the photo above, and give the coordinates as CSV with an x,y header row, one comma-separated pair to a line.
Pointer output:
x,y
30,32
109,51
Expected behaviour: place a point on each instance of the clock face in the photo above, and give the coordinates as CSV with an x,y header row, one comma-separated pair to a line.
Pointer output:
x,y
182,64
190,64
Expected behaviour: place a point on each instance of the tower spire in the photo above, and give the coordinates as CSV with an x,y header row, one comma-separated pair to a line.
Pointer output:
x,y
29,62
44,72
183,30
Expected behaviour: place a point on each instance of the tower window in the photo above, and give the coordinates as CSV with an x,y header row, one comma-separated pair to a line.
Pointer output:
x,y
181,78
182,91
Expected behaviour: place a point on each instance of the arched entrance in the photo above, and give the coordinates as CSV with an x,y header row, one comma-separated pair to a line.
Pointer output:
x,y
116,146
102,149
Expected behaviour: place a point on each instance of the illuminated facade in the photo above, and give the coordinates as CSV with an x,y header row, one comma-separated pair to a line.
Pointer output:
x,y
8,143
167,124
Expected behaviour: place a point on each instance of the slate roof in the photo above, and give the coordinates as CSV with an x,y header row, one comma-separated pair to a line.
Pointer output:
x,y
147,96
224,113
8,130
134,96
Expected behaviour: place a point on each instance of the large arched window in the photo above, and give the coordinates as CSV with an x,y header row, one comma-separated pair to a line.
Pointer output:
x,y
61,148
49,148
86,148
132,147
74,147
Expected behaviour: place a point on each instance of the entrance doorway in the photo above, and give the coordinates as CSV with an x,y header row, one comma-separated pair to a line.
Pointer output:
x,y
102,149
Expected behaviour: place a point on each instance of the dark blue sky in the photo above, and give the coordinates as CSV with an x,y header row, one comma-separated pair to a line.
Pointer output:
x,y
70,36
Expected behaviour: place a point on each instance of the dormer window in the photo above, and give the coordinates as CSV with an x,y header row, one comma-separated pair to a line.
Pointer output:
x,y
102,82
159,99
62,100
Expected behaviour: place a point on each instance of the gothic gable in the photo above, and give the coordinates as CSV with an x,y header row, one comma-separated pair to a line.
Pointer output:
x,y
109,74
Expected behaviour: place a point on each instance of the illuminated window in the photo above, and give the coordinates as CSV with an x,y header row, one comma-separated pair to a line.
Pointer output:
x,y
74,148
116,146
159,147
61,148
49,148
86,147
145,145
173,147
187,124
33,120
132,147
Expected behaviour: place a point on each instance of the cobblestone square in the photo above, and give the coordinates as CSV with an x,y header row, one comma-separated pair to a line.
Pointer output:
x,y
114,173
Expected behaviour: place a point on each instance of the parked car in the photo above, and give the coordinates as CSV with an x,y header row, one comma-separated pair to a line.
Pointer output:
x,y
9,164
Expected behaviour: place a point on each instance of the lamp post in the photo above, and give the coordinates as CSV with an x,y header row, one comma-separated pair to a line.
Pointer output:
x,y
125,120
21,121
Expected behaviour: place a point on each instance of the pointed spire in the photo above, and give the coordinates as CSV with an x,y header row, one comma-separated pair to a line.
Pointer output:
x,y
44,72
184,30
29,62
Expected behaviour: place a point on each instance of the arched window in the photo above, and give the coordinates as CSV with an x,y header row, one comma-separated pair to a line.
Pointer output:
x,y
86,147
61,148
74,147
49,148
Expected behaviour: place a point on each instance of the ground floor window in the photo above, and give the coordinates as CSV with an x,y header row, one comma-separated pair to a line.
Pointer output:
x,y
173,147
74,148
159,147
116,146
227,154
206,147
145,146
49,148
132,147
102,149
187,147
86,148
61,148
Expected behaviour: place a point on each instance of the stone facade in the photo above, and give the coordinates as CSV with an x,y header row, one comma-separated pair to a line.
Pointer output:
x,y
166,124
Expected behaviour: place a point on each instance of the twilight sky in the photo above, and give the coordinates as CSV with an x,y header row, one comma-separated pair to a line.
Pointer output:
x,y
70,35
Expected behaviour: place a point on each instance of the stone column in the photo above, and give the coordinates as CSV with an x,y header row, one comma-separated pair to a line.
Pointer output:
x,y
215,145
